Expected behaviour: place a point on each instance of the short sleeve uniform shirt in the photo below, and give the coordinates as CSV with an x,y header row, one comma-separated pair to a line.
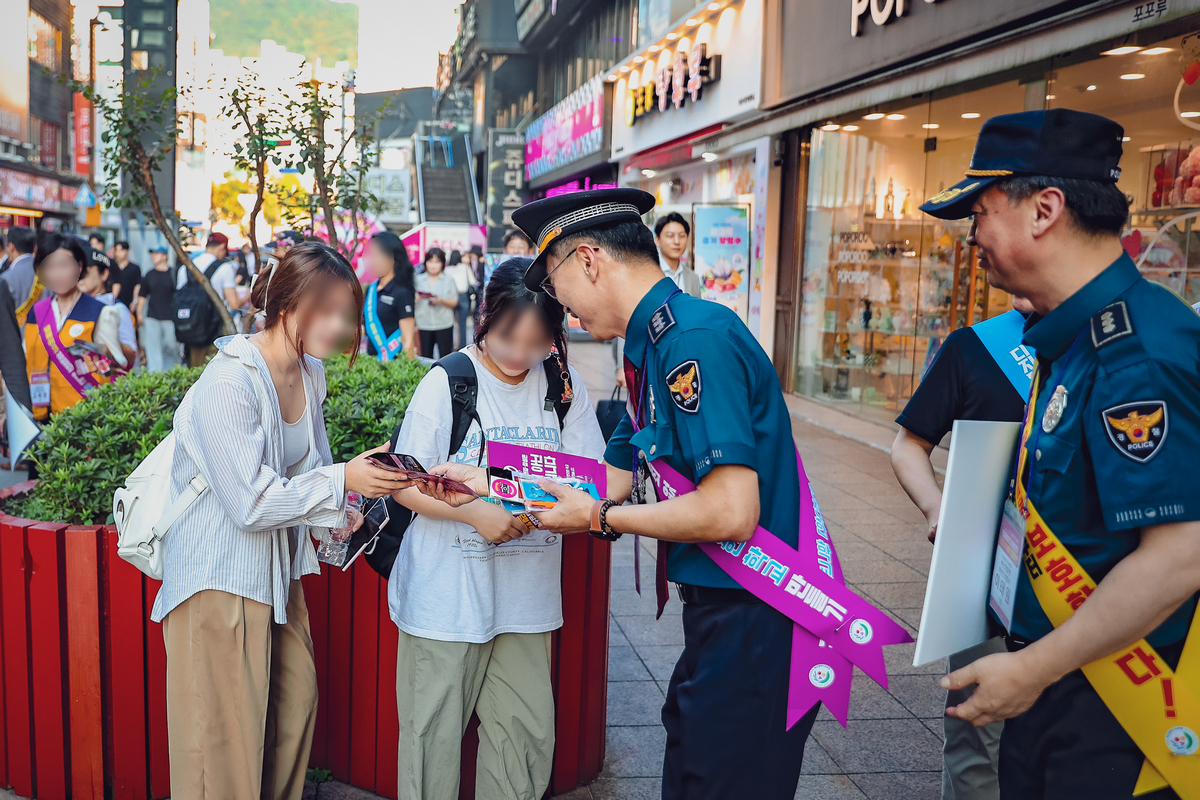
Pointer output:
x,y
1127,354
713,399
392,303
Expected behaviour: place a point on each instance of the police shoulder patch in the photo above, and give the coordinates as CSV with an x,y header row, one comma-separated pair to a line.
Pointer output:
x,y
661,321
683,382
1138,429
1111,323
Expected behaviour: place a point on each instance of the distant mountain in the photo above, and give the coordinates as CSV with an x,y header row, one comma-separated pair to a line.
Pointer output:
x,y
314,28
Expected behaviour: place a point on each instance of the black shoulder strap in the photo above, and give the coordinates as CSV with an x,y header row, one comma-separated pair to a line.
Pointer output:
x,y
464,394
559,392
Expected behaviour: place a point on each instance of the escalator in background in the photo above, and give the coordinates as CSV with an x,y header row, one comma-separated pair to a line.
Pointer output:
x,y
446,177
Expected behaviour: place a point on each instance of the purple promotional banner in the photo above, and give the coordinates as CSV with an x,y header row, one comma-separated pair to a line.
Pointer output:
x,y
834,627
548,464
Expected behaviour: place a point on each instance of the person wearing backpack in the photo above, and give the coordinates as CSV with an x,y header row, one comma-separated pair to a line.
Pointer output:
x,y
475,594
241,679
197,320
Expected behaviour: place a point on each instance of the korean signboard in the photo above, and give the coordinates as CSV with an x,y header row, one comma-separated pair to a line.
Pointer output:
x,y
722,254
82,163
14,71
572,130
506,183
393,187
683,79
28,191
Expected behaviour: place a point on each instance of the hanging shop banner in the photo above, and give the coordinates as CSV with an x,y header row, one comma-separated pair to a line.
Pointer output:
x,y
722,254
506,183
569,132
14,71
82,157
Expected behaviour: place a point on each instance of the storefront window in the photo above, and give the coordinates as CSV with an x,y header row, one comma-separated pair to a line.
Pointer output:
x,y
884,284
1159,172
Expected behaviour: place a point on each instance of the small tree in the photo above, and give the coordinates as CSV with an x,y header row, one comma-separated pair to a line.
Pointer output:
x,y
139,132
339,170
258,130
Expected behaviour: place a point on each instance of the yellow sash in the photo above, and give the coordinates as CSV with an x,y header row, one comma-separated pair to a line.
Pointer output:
x,y
1157,706
35,293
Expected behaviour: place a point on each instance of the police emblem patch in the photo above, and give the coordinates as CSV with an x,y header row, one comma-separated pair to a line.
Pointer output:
x,y
684,384
1137,429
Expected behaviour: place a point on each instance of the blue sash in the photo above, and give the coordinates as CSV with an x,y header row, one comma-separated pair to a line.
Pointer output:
x,y
386,348
1001,337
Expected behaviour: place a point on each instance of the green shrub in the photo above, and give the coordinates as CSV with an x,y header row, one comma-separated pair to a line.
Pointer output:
x,y
89,449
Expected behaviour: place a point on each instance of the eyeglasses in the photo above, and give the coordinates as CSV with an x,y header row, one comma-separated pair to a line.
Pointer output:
x,y
546,286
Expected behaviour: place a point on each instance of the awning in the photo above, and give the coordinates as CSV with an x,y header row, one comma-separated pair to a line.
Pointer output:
x,y
672,153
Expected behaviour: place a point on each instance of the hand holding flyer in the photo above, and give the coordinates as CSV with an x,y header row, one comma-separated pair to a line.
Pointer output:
x,y
413,471
514,473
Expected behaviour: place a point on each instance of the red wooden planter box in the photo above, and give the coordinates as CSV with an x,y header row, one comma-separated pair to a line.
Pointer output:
x,y
83,670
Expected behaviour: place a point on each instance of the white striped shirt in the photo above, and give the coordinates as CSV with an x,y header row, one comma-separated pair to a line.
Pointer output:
x,y
234,538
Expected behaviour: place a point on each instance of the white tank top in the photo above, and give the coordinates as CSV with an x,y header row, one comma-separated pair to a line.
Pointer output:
x,y
295,440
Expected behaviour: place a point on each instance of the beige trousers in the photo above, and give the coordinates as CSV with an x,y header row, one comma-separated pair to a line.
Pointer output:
x,y
507,683
241,698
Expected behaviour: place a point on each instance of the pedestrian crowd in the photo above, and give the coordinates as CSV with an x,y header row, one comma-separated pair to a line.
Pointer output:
x,y
1083,688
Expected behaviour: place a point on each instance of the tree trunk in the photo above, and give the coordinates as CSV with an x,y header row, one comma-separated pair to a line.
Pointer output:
x,y
146,178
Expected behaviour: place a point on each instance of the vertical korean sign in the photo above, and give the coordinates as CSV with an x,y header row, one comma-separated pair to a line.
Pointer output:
x,y
506,183
722,254
14,71
82,157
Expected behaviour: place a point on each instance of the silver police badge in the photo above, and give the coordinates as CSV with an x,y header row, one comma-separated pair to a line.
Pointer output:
x,y
1055,408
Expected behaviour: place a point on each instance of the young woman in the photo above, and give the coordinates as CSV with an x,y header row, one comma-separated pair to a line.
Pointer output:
x,y
390,299
474,593
437,297
241,681
61,368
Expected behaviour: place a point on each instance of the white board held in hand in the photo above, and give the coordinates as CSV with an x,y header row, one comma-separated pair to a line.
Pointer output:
x,y
956,597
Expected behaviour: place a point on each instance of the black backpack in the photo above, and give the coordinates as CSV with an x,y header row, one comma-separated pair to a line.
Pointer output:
x,y
196,317
464,393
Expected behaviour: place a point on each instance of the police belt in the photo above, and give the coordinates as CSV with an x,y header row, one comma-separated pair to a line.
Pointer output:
x,y
1158,707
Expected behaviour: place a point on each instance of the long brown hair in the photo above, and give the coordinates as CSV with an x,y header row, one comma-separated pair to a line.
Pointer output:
x,y
307,270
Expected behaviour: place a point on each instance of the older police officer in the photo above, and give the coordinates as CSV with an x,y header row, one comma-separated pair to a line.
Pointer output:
x,y
1103,494
708,402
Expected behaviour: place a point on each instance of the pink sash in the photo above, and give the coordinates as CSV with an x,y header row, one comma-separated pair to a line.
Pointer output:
x,y
834,627
69,367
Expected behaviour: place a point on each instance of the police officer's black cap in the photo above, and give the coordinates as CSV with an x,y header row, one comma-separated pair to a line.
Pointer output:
x,y
1058,142
543,221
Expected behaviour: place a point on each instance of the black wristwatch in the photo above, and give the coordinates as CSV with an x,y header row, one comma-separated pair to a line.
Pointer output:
x,y
600,527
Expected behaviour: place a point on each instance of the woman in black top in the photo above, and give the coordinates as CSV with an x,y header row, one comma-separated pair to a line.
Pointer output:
x,y
390,299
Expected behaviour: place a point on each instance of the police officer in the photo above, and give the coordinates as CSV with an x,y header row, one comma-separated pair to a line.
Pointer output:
x,y
1103,491
707,402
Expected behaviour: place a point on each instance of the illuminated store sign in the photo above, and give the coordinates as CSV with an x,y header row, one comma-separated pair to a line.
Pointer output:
x,y
683,79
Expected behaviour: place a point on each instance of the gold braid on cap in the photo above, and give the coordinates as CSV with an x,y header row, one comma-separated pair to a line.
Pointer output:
x,y
988,173
555,227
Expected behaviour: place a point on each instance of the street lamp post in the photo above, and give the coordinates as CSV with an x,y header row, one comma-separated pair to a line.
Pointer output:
x,y
92,25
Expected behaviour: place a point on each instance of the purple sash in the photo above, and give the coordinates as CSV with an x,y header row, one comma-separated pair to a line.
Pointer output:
x,y
834,628
48,332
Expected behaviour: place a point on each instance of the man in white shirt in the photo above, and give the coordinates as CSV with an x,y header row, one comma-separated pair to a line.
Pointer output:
x,y
671,234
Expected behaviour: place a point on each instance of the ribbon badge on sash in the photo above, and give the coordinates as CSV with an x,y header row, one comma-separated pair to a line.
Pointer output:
x,y
1158,707
74,370
386,347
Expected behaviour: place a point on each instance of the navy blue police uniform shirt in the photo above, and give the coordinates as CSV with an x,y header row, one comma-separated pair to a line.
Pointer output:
x,y
963,382
1123,454
716,401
